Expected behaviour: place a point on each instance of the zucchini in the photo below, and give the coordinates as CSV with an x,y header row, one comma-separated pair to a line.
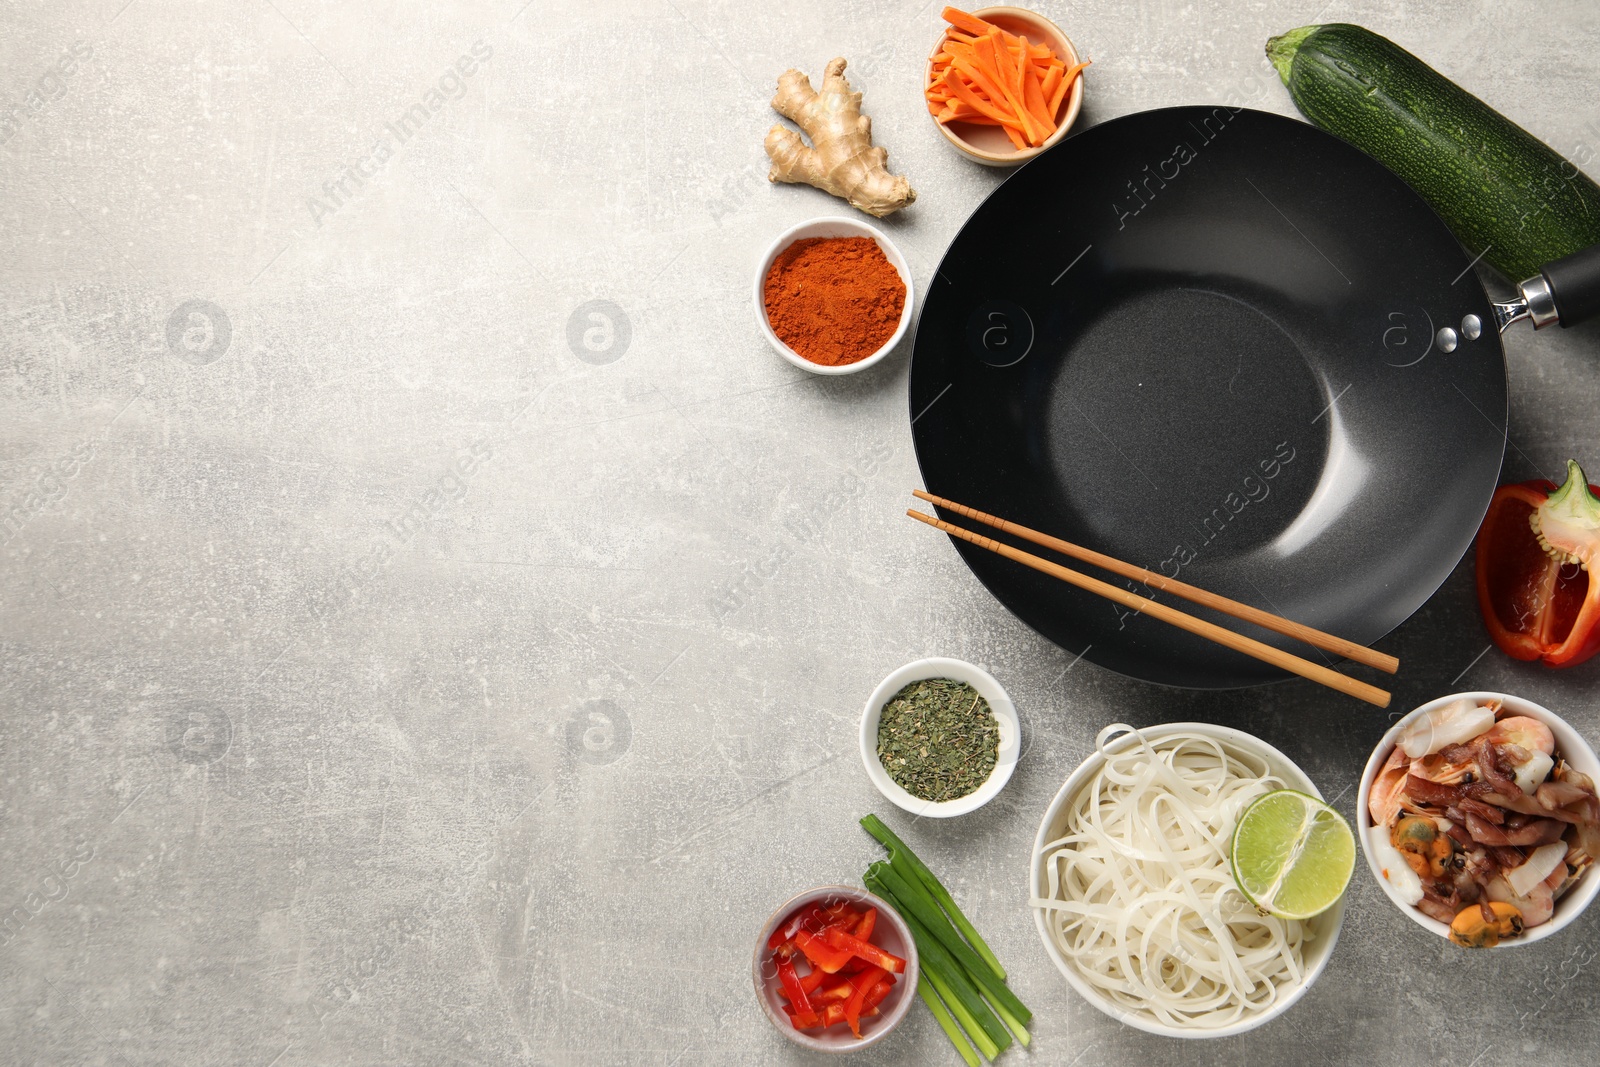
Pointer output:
x,y
1503,192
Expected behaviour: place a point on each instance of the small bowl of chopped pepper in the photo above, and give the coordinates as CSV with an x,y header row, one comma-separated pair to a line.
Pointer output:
x,y
835,969
940,737
833,296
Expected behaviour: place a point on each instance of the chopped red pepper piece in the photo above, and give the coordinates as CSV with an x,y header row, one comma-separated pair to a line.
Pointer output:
x,y
806,919
1538,563
868,923
815,981
796,994
841,989
822,954
864,983
865,950
878,992
839,913
833,1015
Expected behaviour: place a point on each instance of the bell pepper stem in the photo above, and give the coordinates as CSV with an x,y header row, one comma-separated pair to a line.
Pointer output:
x,y
1568,522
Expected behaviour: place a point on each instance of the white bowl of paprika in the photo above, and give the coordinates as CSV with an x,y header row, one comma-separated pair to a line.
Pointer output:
x,y
830,303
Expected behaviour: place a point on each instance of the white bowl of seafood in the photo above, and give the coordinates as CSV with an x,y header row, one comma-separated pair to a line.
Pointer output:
x,y
1479,819
1133,894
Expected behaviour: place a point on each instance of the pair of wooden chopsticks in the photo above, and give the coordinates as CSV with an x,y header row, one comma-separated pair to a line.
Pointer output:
x,y
1238,642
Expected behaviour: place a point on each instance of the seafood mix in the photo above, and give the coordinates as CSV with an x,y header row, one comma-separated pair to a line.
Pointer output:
x,y
1487,825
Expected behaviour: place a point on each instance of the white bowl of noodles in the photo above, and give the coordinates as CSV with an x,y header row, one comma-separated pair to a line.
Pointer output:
x,y
1164,910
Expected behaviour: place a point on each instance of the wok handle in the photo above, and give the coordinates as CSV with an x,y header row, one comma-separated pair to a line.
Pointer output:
x,y
1574,286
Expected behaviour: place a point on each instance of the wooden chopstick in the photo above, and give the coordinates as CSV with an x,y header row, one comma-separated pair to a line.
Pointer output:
x,y
1277,623
1227,638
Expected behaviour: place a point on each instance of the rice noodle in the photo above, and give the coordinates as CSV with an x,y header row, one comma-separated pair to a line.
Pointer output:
x,y
1140,897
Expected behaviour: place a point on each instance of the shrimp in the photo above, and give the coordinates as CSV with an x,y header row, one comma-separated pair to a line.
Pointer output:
x,y
1383,801
1527,747
1436,768
1526,733
1536,907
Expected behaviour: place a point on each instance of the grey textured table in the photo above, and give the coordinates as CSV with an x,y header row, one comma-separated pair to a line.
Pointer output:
x,y
394,674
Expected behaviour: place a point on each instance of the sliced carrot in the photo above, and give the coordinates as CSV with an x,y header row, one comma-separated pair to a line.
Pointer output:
x,y
984,52
1036,128
1047,86
976,103
1016,135
1034,100
1024,66
976,78
1065,86
956,111
1033,96
963,21
994,51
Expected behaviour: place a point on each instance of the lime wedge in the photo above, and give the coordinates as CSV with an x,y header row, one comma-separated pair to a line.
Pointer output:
x,y
1292,854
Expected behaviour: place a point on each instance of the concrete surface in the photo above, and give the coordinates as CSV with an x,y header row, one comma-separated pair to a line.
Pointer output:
x,y
403,666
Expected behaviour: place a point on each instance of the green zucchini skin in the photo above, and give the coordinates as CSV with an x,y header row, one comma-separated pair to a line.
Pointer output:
x,y
1495,185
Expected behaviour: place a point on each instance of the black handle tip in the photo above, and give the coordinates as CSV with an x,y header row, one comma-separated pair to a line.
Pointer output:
x,y
1575,285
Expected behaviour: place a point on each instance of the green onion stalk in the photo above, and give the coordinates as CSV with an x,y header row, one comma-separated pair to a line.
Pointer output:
x,y
874,826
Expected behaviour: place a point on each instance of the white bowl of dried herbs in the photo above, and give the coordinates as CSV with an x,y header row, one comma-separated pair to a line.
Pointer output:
x,y
940,737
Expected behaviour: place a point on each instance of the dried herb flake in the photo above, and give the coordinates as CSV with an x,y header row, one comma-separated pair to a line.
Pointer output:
x,y
938,739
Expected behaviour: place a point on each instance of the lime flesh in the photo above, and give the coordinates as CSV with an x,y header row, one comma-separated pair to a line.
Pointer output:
x,y
1292,854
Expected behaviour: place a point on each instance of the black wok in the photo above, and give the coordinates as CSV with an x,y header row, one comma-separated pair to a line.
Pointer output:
x,y
1229,347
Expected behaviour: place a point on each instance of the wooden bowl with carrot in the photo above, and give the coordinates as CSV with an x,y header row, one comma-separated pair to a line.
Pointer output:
x,y
1003,84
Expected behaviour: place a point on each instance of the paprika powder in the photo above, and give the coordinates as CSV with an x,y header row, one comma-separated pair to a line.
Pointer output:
x,y
1538,564
833,300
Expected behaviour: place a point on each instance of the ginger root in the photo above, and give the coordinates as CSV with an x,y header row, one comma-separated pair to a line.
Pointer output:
x,y
841,158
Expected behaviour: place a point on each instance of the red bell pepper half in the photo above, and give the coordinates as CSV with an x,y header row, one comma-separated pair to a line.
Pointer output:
x,y
1538,563
866,950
